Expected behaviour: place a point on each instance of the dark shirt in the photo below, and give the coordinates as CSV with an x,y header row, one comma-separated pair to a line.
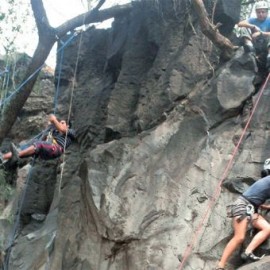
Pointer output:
x,y
258,192
64,140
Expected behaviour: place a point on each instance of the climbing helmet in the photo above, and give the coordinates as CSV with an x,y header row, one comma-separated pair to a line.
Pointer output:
x,y
261,5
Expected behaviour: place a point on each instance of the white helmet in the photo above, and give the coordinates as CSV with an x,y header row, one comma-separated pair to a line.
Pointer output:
x,y
266,164
261,4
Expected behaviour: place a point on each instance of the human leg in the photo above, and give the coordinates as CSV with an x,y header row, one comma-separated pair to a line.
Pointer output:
x,y
238,238
260,223
48,150
23,153
247,40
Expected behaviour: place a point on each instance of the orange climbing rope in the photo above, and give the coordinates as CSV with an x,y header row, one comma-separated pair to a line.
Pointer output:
x,y
217,191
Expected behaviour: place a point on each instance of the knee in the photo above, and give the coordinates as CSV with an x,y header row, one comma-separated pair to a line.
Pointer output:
x,y
268,230
239,239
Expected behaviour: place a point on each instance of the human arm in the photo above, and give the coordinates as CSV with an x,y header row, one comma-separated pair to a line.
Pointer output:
x,y
265,206
261,33
247,24
61,127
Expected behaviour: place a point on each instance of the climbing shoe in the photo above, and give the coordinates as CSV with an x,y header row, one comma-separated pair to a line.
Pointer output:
x,y
248,48
250,257
15,155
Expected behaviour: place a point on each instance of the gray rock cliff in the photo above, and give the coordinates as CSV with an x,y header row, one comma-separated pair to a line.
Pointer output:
x,y
158,118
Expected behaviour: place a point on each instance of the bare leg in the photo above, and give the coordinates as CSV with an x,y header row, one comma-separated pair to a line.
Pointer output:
x,y
26,152
238,238
264,232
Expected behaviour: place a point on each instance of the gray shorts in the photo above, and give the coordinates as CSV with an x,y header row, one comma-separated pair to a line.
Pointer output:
x,y
246,33
240,208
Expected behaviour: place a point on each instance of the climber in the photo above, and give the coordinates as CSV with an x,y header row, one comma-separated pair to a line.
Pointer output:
x,y
244,211
257,30
52,145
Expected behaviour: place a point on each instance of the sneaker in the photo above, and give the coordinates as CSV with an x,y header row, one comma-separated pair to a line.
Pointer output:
x,y
15,155
250,257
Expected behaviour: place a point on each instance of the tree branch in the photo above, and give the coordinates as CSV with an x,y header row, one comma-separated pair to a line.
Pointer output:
x,y
212,32
99,5
93,16
47,38
40,15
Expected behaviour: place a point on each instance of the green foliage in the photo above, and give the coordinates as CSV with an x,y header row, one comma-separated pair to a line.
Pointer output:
x,y
14,23
246,8
246,11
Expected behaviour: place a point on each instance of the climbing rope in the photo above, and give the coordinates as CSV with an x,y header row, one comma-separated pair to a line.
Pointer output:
x,y
17,221
5,77
58,81
71,102
48,264
37,70
12,236
217,190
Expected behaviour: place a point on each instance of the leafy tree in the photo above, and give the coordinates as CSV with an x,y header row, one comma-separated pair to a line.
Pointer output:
x,y
14,23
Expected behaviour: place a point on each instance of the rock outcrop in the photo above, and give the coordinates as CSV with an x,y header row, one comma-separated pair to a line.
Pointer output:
x,y
158,119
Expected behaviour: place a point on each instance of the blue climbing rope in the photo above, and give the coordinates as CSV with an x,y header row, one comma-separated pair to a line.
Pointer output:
x,y
4,72
40,135
37,70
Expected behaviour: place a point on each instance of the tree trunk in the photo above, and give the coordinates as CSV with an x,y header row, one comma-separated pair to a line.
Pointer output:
x,y
47,37
17,101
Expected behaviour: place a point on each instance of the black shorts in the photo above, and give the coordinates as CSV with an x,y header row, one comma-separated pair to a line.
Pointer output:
x,y
47,150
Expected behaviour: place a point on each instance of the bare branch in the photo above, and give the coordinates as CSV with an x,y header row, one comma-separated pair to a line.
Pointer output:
x,y
99,5
92,17
40,15
212,32
47,37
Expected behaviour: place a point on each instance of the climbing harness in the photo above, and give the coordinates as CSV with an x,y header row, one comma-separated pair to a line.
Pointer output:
x,y
217,190
250,209
50,138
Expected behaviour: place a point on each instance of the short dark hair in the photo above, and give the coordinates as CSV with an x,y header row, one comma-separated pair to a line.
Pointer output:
x,y
265,173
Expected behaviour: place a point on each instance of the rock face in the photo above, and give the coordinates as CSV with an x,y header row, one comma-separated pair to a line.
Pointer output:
x,y
157,157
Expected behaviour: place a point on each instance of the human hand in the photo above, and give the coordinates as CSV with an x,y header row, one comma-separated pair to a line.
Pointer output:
x,y
265,206
255,29
256,34
52,118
